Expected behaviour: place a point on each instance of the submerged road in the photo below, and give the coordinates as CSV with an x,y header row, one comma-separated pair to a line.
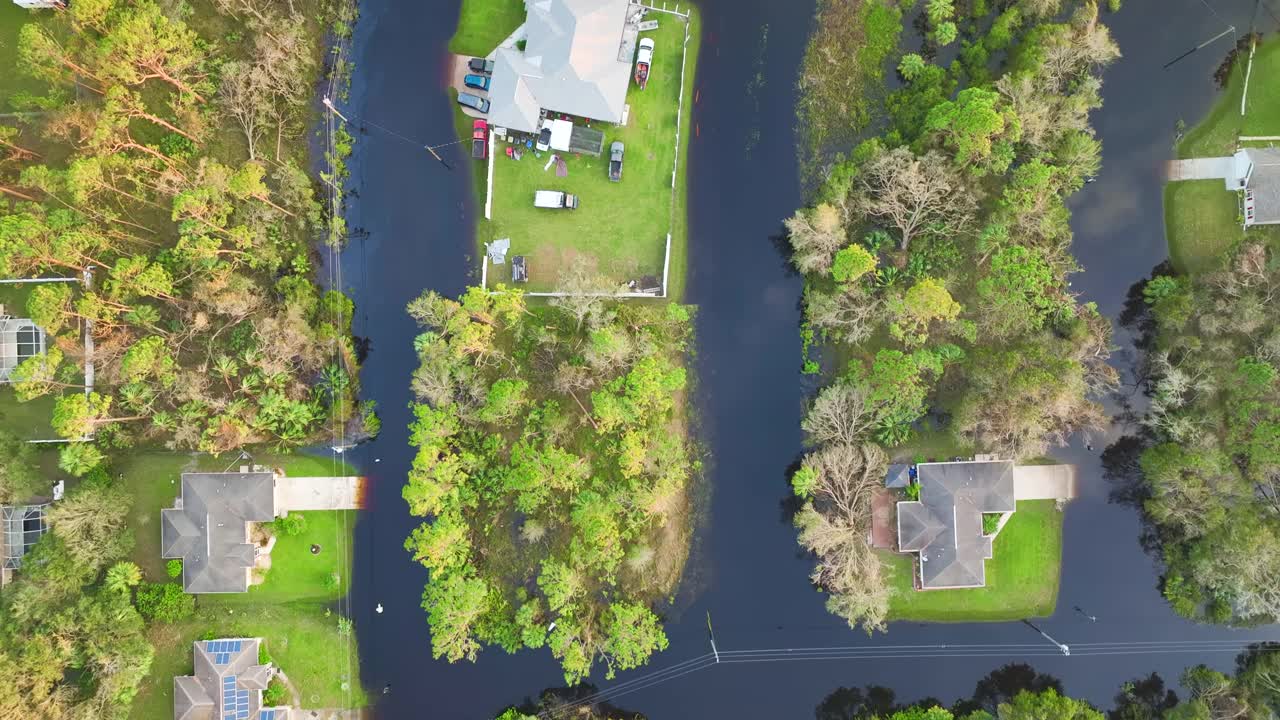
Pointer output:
x,y
412,219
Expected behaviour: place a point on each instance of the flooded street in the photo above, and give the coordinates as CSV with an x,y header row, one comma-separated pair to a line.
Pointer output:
x,y
411,221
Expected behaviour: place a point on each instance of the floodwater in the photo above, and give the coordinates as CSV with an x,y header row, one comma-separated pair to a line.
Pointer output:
x,y
412,218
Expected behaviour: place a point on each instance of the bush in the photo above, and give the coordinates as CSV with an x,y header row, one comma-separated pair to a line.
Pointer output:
x,y
173,568
291,525
913,491
165,602
333,582
275,694
990,521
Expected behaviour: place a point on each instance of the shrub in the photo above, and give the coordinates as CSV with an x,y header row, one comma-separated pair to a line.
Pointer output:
x,y
173,568
990,521
291,525
165,602
913,491
275,694
333,582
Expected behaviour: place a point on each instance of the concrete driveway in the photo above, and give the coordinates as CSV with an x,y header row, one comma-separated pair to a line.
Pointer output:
x,y
456,72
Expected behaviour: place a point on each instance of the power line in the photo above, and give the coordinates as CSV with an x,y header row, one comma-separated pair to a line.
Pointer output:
x,y
897,652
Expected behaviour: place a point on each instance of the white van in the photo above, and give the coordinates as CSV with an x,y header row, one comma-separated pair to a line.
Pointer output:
x,y
555,200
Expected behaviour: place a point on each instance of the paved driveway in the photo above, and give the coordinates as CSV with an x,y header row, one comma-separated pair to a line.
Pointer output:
x,y
1044,482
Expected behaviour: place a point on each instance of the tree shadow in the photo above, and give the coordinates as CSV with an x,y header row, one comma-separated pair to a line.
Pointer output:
x,y
1143,699
1003,684
566,703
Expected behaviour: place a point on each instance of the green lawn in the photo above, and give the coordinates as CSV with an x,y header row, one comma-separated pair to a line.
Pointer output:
x,y
1201,217
300,639
295,573
1022,578
620,228
1201,220
12,18
1217,133
485,23
288,609
152,479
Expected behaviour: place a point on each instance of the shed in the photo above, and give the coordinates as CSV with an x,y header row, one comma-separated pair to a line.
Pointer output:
x,y
898,476
518,271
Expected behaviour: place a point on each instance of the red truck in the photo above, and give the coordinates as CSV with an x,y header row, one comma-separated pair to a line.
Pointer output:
x,y
479,139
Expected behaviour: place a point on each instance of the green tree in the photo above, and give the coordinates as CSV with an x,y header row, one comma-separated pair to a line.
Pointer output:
x,y
1044,705
978,128
851,263
80,458
632,634
455,603
165,602
20,477
911,66
924,303
506,398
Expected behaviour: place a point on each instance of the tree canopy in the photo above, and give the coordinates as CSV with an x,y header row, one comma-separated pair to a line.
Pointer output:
x,y
552,469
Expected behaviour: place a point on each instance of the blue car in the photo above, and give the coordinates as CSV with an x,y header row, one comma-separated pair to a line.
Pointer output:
x,y
473,101
479,82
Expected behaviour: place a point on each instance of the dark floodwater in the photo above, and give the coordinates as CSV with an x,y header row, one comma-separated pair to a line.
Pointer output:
x,y
746,571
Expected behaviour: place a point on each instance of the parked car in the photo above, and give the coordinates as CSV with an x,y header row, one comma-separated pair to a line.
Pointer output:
x,y
643,59
480,65
474,102
615,161
479,82
555,200
479,139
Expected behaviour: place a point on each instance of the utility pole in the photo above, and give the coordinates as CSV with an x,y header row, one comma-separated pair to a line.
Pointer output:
x,y
329,104
1065,650
1092,618
712,636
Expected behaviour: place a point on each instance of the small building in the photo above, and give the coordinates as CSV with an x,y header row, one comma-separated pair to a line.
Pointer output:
x,y
38,4
208,528
576,60
519,273
1257,175
945,525
19,339
227,683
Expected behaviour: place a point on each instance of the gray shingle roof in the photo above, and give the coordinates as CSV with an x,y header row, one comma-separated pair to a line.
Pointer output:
x,y
1264,185
945,525
570,64
209,528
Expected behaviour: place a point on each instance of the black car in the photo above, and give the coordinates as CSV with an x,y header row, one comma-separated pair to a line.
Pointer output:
x,y
473,101
480,65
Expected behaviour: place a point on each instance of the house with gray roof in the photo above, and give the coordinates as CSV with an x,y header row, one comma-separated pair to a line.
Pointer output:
x,y
1257,175
209,526
576,60
945,525
227,683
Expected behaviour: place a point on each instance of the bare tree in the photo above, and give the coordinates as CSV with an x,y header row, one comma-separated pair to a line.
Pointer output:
x,y
243,99
584,291
916,192
839,415
848,314
835,525
815,234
